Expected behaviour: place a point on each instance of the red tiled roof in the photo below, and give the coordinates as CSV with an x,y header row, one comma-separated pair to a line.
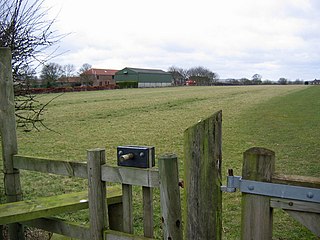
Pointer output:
x,y
97,71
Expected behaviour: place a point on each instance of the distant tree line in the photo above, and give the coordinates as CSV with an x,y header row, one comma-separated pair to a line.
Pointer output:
x,y
55,75
202,76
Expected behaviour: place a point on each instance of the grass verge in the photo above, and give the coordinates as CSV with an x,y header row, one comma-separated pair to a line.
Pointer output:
x,y
282,118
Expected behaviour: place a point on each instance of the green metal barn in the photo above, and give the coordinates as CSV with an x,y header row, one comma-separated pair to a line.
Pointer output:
x,y
143,77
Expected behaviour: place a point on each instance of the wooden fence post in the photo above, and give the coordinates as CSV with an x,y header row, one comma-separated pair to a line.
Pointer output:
x,y
147,193
256,219
170,197
9,137
98,211
202,181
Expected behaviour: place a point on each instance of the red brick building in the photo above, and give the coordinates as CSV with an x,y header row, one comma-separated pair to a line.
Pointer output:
x,y
98,77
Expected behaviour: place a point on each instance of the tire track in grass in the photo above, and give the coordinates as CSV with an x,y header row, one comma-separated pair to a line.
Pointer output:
x,y
288,125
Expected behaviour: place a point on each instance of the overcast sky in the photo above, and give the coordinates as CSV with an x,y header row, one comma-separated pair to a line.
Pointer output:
x,y
234,38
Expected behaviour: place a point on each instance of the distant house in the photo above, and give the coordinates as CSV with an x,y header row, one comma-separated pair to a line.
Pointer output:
x,y
98,77
144,77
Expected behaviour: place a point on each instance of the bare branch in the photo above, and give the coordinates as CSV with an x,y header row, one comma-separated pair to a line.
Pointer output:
x,y
25,29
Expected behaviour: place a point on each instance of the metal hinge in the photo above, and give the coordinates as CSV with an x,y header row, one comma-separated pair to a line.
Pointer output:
x,y
271,189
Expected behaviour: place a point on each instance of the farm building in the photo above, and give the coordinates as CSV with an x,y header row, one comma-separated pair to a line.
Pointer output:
x,y
137,77
98,77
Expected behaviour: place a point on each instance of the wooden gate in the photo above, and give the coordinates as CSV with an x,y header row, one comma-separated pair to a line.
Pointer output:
x,y
202,215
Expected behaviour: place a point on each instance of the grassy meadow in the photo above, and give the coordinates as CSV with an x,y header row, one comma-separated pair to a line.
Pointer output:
x,y
282,118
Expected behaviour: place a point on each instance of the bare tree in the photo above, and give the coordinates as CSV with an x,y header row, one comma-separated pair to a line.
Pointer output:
x,y
256,79
283,81
26,31
202,75
86,79
179,75
68,70
50,73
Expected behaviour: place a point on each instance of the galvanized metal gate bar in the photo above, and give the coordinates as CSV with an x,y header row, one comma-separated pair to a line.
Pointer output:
x,y
272,189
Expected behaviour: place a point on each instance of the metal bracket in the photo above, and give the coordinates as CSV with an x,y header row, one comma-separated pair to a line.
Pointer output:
x,y
271,189
136,156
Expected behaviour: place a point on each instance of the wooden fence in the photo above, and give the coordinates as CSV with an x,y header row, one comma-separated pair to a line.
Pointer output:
x,y
35,213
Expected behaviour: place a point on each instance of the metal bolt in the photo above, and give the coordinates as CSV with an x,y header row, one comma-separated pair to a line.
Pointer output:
x,y
251,187
310,195
181,183
126,157
141,154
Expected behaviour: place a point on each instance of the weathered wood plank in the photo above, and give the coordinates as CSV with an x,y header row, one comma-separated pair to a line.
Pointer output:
x,y
134,176
98,211
115,212
295,180
203,156
61,226
127,208
42,207
170,197
309,220
45,165
115,235
125,175
307,213
287,204
256,218
147,193
8,134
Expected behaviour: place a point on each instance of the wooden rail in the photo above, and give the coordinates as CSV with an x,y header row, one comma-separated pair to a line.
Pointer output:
x,y
295,180
48,206
124,175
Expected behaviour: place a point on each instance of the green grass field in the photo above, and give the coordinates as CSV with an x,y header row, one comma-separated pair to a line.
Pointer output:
x,y
282,118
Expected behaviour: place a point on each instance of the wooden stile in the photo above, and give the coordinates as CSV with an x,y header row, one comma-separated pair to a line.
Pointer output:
x,y
9,137
203,156
256,219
